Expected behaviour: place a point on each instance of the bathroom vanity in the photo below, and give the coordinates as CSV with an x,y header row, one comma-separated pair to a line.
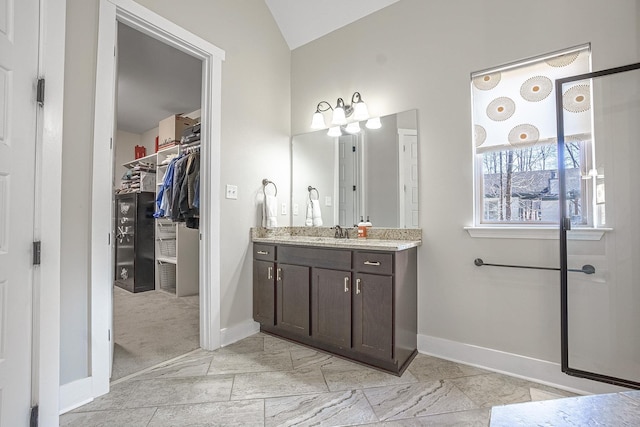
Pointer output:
x,y
351,297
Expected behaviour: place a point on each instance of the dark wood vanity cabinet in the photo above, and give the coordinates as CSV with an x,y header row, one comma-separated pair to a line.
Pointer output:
x,y
292,298
331,306
264,284
357,304
373,315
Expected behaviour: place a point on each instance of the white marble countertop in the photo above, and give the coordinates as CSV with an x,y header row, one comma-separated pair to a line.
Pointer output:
x,y
332,242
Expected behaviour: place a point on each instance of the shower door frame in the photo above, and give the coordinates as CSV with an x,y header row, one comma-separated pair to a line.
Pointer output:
x,y
565,225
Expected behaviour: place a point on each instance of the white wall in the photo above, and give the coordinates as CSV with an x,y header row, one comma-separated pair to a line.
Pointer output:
x,y
419,54
255,145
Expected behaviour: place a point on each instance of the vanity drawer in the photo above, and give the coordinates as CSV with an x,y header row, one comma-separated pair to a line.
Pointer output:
x,y
264,252
314,257
373,262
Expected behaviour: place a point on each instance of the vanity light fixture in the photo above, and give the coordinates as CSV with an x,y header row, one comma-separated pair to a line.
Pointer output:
x,y
341,112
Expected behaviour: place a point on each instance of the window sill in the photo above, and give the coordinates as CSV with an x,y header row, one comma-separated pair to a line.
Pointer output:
x,y
538,233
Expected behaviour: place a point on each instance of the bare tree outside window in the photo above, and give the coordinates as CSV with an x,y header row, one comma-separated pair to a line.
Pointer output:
x,y
521,185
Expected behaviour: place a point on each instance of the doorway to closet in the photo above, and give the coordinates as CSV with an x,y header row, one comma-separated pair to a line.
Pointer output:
x,y
156,253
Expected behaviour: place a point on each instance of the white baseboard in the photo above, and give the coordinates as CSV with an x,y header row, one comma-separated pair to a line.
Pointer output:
x,y
540,371
75,394
237,332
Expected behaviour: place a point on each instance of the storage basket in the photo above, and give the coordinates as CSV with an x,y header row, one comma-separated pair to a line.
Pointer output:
x,y
165,230
167,247
167,276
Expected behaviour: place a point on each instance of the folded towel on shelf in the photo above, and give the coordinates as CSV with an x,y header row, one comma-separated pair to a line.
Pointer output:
x,y
316,213
309,219
270,212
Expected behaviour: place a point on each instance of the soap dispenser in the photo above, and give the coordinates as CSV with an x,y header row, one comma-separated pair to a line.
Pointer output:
x,y
362,229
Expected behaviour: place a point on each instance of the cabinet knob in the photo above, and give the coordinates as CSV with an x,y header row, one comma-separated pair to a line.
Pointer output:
x,y
372,263
346,284
357,286
263,252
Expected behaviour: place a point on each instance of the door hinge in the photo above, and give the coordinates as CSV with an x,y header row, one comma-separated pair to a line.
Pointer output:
x,y
354,188
33,420
40,92
109,335
36,253
110,143
353,148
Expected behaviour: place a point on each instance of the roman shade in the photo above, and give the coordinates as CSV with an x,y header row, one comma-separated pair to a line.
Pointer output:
x,y
514,106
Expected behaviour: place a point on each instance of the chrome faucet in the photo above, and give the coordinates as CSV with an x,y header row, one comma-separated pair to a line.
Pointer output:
x,y
341,233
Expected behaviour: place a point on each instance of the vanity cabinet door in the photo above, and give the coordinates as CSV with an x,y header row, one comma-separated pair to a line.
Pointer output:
x,y
331,306
292,304
264,292
373,315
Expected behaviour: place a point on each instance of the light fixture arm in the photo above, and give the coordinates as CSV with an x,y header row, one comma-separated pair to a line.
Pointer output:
x,y
323,106
356,97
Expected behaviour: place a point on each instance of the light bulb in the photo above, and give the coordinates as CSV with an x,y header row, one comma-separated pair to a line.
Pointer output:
x,y
374,123
318,121
360,111
353,127
334,131
338,116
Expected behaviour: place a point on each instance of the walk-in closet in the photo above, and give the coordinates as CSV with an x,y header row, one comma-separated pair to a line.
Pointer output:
x,y
156,201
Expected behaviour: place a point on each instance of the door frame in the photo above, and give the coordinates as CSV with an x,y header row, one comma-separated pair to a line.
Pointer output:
x,y
153,25
565,225
46,296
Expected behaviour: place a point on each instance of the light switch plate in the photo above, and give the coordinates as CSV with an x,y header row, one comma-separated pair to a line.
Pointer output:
x,y
232,191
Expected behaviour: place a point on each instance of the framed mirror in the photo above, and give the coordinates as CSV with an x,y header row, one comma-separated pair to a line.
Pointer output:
x,y
372,173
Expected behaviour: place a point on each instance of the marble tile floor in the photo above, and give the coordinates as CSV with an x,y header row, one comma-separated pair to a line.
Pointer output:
x,y
265,381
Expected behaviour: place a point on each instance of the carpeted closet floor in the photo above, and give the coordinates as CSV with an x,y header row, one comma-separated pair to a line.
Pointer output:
x,y
152,327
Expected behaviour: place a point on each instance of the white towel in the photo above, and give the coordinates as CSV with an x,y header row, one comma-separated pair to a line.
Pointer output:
x,y
270,212
316,213
309,220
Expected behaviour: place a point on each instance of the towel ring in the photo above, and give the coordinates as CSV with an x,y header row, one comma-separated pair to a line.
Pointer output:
x,y
266,182
310,189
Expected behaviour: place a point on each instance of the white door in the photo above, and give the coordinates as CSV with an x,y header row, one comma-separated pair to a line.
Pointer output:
x,y
408,144
18,74
348,200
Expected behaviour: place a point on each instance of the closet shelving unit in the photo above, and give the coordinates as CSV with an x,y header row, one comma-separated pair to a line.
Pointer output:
x,y
176,246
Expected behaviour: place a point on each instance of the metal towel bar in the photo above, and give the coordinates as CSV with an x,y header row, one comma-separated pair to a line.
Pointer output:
x,y
586,269
266,182
310,189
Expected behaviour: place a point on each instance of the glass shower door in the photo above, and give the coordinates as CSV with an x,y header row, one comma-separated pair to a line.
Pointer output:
x,y
601,311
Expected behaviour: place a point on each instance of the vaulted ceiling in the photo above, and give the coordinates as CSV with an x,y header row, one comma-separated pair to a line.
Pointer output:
x,y
148,87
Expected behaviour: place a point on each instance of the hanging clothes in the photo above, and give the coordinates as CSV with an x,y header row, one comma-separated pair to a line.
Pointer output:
x,y
165,191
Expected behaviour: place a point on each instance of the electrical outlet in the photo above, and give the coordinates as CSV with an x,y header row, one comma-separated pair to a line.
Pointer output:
x,y
295,209
232,191
327,200
284,209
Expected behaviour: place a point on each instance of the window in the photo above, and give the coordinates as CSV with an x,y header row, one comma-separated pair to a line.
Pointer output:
x,y
515,141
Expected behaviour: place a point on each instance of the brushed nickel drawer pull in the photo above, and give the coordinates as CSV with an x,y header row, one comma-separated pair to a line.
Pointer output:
x,y
263,252
372,263
269,273
357,286
346,284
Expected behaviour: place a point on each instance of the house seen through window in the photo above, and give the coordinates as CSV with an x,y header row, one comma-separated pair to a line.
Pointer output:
x,y
515,140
